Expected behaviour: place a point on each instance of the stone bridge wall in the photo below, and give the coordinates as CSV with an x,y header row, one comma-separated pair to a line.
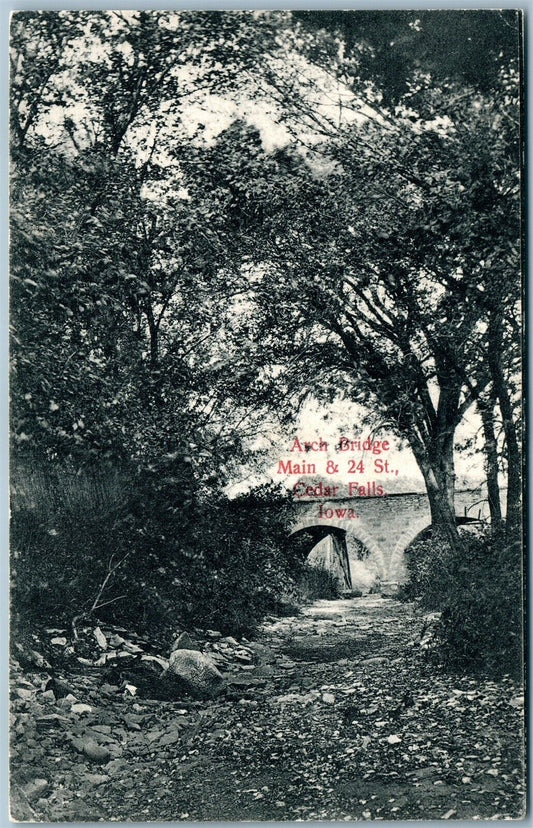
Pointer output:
x,y
385,525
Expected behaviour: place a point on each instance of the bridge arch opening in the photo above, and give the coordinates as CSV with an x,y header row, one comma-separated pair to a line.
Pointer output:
x,y
323,547
347,551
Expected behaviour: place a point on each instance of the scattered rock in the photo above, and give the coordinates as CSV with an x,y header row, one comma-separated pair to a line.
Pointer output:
x,y
50,721
132,721
59,688
184,642
269,715
24,693
231,641
32,658
132,648
80,811
117,767
265,670
79,708
101,661
197,671
101,640
262,654
35,789
96,753
170,738
109,689
116,640
96,778
162,662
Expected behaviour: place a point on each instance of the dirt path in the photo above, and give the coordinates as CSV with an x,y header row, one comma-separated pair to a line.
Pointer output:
x,y
338,719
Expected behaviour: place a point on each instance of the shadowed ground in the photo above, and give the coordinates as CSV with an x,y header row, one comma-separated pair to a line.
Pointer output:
x,y
338,719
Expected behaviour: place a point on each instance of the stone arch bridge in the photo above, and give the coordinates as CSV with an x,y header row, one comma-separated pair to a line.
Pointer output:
x,y
384,525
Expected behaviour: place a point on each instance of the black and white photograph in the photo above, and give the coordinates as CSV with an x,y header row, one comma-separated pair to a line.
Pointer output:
x,y
267,459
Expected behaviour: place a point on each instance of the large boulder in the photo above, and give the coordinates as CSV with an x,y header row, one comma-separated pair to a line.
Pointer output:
x,y
197,672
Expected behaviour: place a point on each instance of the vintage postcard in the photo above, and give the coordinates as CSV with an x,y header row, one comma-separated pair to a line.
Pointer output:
x,y
267,278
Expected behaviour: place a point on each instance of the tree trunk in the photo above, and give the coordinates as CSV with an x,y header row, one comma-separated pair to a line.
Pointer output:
x,y
437,461
514,466
442,517
486,409
443,466
153,329
437,469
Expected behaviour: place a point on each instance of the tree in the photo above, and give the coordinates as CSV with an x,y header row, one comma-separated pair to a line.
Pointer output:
x,y
414,239
377,253
114,319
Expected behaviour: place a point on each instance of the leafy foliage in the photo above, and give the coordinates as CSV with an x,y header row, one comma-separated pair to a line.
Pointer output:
x,y
170,558
390,46
174,280
314,582
479,592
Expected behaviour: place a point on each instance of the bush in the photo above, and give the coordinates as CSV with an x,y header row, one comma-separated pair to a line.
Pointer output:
x,y
65,528
230,559
183,559
478,589
314,583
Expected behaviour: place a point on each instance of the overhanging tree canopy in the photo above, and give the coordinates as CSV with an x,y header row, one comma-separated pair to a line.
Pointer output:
x,y
171,276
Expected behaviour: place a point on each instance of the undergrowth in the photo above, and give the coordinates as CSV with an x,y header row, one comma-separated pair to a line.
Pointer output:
x,y
142,549
478,589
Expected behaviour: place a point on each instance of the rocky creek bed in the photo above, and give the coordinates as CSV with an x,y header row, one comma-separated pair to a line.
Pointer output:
x,y
329,715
